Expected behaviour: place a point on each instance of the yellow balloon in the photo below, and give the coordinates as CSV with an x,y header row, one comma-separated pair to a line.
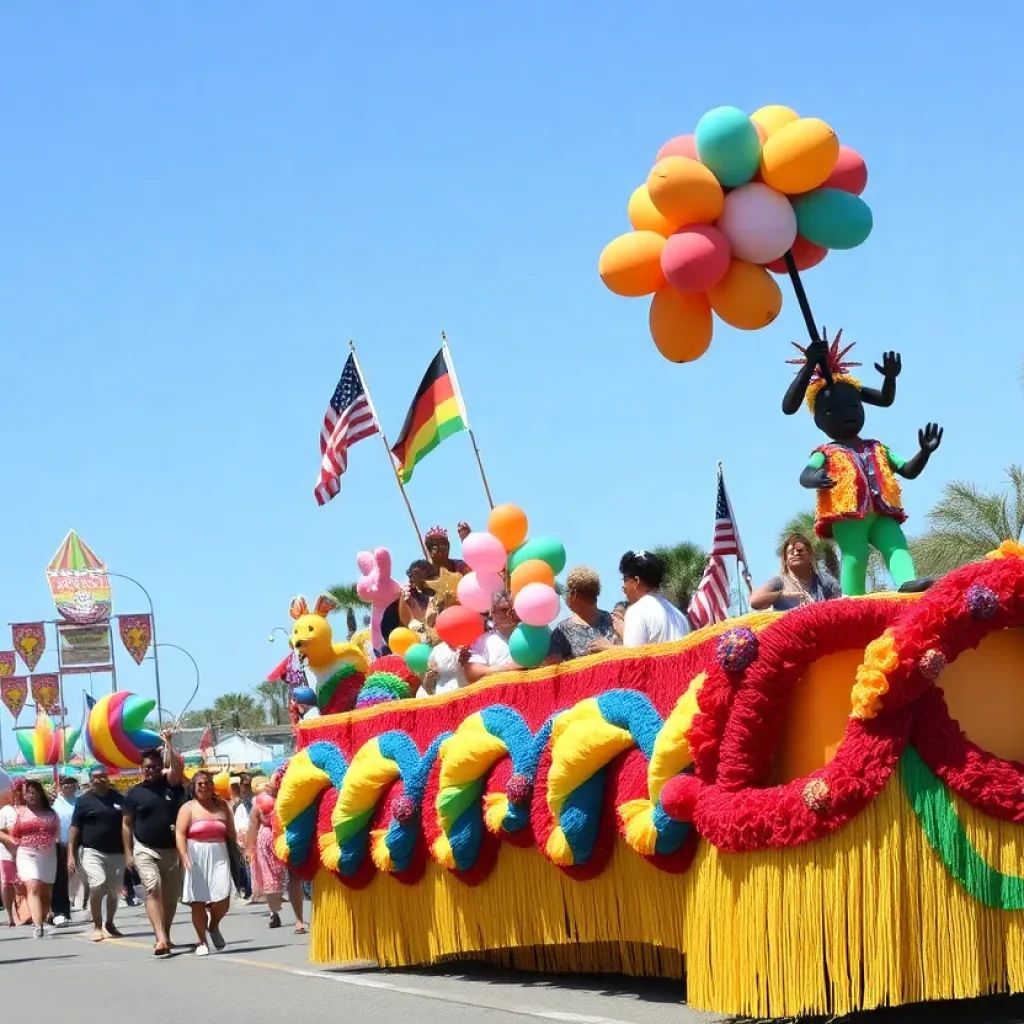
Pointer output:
x,y
684,191
630,265
681,325
645,216
799,156
772,118
401,639
222,785
748,297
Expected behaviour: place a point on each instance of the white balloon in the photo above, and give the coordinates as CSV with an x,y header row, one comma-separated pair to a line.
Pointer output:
x,y
759,222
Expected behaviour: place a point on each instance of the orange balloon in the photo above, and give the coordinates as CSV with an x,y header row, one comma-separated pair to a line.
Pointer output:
x,y
630,265
685,191
748,297
681,325
645,216
533,570
509,524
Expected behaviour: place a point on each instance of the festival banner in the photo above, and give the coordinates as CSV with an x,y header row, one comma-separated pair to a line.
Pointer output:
x,y
84,645
29,640
78,582
136,635
8,663
45,691
14,692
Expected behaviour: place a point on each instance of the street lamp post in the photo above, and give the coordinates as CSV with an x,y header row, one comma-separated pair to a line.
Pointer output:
x,y
279,629
152,626
194,665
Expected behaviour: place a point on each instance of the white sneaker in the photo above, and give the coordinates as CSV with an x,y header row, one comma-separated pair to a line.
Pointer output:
x,y
60,921
202,949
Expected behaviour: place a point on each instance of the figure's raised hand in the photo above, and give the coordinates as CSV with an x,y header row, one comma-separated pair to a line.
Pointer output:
x,y
891,365
816,353
930,438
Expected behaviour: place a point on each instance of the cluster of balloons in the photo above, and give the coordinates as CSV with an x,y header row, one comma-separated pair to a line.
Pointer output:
x,y
46,743
721,208
500,558
115,731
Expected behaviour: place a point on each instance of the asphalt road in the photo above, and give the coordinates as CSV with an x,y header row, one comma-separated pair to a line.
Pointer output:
x,y
263,977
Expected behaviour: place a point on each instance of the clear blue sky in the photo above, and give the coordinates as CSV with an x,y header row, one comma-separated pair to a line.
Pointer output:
x,y
201,203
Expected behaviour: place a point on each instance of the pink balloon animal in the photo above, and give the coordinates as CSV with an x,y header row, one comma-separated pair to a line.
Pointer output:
x,y
377,589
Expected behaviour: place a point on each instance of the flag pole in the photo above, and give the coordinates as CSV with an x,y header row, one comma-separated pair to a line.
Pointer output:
x,y
387,448
745,573
465,415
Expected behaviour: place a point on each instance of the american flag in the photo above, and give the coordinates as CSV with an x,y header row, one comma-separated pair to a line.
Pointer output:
x,y
349,418
711,600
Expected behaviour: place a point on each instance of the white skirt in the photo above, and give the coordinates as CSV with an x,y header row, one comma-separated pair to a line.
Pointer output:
x,y
36,865
209,881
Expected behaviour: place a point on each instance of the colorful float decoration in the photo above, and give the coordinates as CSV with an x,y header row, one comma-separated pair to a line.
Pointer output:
x,y
812,812
723,210
115,729
46,743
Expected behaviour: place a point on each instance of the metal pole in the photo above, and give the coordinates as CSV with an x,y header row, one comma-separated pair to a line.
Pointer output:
x,y
194,665
387,448
152,626
465,415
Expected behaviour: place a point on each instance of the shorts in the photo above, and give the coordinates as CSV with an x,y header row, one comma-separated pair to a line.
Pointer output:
x,y
103,870
159,870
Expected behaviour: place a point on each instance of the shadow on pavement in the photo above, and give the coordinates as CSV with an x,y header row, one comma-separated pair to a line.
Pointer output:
x,y
993,1010
35,959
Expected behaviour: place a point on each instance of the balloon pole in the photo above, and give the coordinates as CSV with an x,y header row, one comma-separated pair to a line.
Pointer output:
x,y
805,308
387,448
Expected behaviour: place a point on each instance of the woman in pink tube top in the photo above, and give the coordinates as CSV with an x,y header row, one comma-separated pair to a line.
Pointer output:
x,y
203,831
32,840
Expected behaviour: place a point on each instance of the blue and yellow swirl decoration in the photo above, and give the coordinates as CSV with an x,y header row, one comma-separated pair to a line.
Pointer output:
x,y
462,807
584,740
376,765
310,772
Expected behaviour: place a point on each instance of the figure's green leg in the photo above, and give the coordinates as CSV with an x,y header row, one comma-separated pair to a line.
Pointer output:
x,y
852,536
887,535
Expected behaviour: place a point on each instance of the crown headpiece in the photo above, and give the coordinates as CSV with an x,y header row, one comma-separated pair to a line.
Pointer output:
x,y
436,533
838,365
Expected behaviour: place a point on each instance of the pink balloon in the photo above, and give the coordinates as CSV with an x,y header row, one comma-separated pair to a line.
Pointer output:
x,y
536,604
476,590
850,174
759,223
805,255
483,552
681,145
695,258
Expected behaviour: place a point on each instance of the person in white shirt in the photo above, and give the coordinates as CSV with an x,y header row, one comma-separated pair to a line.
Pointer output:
x,y
66,887
490,654
650,618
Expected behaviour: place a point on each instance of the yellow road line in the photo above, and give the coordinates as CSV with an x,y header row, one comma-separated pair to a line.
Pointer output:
x,y
224,958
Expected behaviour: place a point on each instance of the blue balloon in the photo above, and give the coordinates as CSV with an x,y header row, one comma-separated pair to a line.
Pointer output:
x,y
833,218
728,145
304,695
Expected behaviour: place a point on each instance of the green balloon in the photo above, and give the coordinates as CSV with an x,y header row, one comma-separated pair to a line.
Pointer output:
x,y
833,218
418,657
529,645
547,549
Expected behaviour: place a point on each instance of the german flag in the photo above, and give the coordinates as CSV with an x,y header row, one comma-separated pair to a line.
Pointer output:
x,y
437,412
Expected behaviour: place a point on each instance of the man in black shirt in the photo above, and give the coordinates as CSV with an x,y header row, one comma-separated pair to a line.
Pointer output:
x,y
96,843
150,811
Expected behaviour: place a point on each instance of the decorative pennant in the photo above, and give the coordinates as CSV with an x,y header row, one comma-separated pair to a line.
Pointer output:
x,y
29,640
136,635
8,663
13,692
45,691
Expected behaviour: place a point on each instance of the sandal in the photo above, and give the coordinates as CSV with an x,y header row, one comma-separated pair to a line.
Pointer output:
x,y
300,928
275,921
161,951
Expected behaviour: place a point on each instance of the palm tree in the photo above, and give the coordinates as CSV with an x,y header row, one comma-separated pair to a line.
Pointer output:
x,y
273,697
968,523
348,601
239,709
684,565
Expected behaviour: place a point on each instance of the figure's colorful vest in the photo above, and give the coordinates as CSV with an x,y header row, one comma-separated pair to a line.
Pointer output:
x,y
865,483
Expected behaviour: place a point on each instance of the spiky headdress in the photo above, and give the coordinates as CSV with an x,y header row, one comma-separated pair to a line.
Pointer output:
x,y
838,364
436,533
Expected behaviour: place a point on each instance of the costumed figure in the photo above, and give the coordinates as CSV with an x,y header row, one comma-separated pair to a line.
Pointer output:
x,y
439,547
378,589
859,502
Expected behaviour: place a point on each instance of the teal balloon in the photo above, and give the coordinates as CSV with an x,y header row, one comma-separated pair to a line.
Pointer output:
x,y
418,658
547,549
529,645
728,145
833,218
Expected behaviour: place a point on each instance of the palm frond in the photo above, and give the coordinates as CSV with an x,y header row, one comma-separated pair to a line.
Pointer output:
x,y
347,596
684,567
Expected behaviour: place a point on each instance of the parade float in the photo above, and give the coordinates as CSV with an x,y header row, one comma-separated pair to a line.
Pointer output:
x,y
811,812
